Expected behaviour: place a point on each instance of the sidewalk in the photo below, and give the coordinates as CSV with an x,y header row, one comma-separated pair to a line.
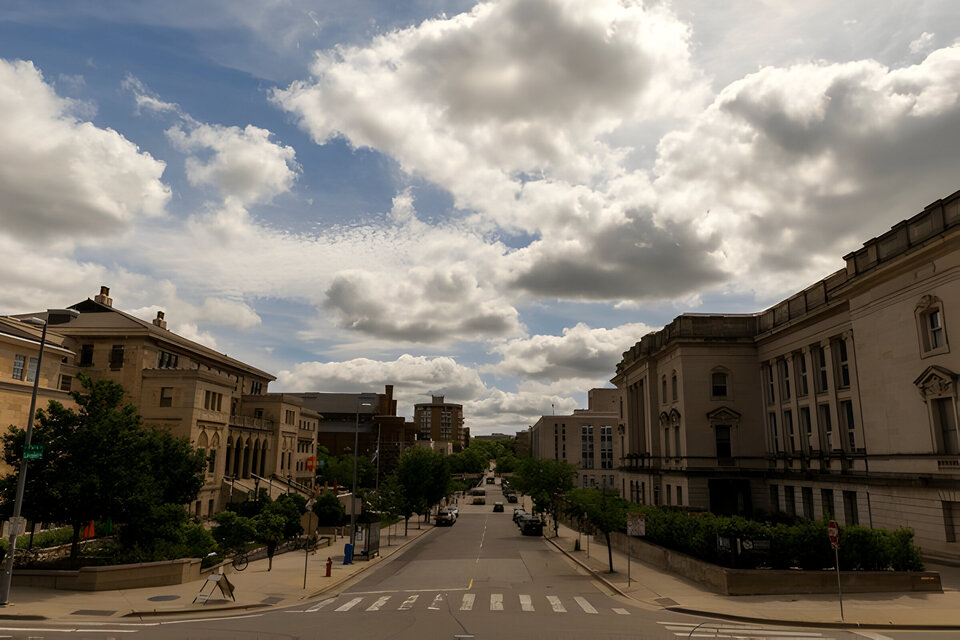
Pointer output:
x,y
254,587
654,589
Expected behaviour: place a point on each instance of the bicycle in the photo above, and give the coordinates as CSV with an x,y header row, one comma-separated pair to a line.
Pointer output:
x,y
240,561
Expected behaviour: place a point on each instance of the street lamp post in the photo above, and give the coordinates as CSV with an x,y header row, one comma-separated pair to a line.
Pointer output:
x,y
353,488
7,576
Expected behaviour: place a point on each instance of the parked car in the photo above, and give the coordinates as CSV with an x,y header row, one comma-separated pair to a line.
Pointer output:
x,y
490,480
512,498
498,507
454,510
517,514
479,500
445,518
531,525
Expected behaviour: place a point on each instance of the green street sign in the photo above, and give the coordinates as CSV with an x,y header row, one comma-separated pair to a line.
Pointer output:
x,y
33,452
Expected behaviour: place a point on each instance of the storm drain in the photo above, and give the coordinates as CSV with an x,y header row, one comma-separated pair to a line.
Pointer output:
x,y
93,612
162,598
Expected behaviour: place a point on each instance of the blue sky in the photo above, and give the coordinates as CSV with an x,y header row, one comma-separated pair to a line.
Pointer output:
x,y
490,201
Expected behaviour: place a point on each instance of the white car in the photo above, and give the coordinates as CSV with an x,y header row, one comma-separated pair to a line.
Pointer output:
x,y
455,511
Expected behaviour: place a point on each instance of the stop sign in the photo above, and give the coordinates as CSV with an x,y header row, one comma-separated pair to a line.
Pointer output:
x,y
833,532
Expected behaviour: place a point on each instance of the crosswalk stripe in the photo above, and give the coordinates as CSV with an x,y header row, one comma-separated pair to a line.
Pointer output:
x,y
556,604
435,605
496,602
382,600
467,604
349,605
408,603
622,612
320,605
526,602
586,606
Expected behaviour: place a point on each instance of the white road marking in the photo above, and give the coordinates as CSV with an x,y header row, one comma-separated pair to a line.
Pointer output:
x,y
873,635
526,603
556,604
435,605
496,602
349,605
586,606
467,604
408,603
622,612
382,600
320,605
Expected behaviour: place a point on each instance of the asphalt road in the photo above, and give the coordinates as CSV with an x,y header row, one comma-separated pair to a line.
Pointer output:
x,y
477,579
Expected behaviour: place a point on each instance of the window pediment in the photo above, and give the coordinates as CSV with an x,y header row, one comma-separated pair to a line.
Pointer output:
x,y
936,382
724,415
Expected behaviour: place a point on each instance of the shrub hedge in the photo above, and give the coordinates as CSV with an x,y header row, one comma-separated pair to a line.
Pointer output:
x,y
802,545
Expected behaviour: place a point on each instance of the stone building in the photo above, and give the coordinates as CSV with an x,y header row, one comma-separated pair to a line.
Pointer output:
x,y
839,402
220,404
590,439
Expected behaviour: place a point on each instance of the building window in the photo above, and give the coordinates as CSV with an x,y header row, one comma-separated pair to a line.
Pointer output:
x,y
850,511
826,504
771,390
291,416
802,388
66,382
945,425
718,387
790,499
213,401
774,436
791,436
785,377
679,496
258,414
116,356
19,362
824,411
933,337
166,396
586,447
806,497
951,519
663,389
666,442
168,360
86,355
676,441
32,369
774,498
848,424
256,387
843,364
722,434
212,461
806,428
606,447
669,495
674,387
820,366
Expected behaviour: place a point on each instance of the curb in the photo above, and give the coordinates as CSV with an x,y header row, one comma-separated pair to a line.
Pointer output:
x,y
592,571
155,613
752,619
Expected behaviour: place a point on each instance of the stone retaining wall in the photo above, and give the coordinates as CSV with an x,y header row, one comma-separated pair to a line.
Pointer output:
x,y
751,582
121,576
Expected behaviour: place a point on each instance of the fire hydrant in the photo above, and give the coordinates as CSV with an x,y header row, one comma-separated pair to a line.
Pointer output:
x,y
329,566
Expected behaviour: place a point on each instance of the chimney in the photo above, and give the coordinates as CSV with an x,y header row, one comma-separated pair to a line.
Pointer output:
x,y
159,321
104,297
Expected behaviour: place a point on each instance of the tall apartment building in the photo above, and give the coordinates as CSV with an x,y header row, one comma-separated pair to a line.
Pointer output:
x,y
220,404
590,439
440,421
839,402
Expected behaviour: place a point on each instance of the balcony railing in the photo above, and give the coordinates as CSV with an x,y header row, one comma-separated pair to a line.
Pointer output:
x,y
250,422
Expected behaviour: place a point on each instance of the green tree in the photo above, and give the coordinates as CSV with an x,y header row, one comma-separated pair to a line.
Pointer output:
x,y
99,462
423,477
339,471
329,510
270,526
604,510
233,531
545,481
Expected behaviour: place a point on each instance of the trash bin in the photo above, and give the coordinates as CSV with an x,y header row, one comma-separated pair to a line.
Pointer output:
x,y
348,553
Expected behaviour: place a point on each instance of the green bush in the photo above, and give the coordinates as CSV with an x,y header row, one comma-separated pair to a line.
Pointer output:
x,y
802,544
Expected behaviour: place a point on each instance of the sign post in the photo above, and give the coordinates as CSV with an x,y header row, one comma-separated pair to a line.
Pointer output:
x,y
833,532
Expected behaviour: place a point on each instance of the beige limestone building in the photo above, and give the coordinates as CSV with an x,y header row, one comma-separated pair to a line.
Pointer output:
x,y
590,439
251,438
840,402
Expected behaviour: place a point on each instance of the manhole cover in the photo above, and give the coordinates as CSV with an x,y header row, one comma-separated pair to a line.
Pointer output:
x,y
163,598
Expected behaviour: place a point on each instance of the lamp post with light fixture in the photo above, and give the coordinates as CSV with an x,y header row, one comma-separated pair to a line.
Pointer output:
x,y
7,576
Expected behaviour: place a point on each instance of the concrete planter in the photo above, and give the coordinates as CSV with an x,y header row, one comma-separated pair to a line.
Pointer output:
x,y
121,576
754,582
